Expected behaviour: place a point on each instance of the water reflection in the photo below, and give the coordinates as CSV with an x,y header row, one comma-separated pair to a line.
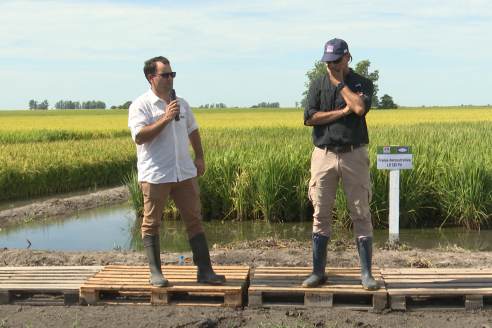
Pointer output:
x,y
115,228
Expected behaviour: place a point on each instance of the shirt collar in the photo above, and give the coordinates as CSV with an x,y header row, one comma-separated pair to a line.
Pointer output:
x,y
153,97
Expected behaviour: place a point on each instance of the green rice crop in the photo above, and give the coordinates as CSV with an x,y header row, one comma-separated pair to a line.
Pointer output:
x,y
29,169
258,162
262,173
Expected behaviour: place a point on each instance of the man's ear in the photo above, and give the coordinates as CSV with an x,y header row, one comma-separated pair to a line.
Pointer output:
x,y
150,78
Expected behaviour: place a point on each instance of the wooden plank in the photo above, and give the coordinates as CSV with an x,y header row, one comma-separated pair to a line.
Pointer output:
x,y
39,288
318,299
160,296
129,280
437,276
398,302
255,298
379,301
444,279
36,281
6,297
440,285
52,268
233,298
473,302
89,296
342,282
172,267
443,292
420,271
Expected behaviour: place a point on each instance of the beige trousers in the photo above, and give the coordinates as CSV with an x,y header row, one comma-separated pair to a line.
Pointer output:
x,y
353,168
186,196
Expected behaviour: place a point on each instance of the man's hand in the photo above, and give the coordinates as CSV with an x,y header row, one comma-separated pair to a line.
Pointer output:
x,y
200,166
335,72
172,110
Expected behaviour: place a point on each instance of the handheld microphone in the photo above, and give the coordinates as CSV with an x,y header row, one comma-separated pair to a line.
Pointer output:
x,y
172,96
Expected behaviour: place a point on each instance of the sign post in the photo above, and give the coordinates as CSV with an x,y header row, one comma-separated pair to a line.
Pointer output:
x,y
394,158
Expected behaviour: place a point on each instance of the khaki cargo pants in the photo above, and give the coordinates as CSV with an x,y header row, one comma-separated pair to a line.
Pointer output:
x,y
186,196
352,167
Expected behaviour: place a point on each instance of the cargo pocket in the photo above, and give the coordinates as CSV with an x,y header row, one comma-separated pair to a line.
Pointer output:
x,y
367,196
364,196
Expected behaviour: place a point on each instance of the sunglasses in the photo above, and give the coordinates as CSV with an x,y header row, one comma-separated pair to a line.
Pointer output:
x,y
336,61
167,75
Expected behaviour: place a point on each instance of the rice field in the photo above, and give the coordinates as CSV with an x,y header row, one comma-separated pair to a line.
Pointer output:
x,y
258,161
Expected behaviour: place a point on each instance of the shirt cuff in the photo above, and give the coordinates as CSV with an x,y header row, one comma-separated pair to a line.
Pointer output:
x,y
135,132
192,128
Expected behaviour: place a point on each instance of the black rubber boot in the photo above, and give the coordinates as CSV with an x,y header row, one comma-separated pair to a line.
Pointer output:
x,y
201,258
364,245
153,252
318,277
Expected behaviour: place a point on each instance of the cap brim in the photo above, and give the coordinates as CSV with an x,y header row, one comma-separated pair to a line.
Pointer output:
x,y
329,57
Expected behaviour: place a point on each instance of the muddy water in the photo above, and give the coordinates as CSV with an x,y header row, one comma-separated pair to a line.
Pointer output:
x,y
115,228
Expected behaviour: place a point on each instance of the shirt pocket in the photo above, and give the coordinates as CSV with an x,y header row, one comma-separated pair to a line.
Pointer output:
x,y
182,119
157,114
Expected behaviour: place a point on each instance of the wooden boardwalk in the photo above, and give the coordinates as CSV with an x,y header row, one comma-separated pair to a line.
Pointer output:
x,y
281,286
130,285
49,285
400,289
438,288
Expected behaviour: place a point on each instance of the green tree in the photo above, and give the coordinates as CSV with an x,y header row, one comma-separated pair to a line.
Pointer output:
x,y
319,69
33,104
43,105
126,105
362,68
375,102
386,102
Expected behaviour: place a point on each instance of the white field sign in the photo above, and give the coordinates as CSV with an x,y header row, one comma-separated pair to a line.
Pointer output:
x,y
394,158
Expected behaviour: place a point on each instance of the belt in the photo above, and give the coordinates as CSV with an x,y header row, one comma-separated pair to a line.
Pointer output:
x,y
341,149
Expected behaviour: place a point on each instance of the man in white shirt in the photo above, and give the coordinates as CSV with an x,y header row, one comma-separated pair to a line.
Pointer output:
x,y
161,129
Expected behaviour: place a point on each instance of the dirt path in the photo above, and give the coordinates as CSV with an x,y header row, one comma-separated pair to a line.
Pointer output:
x,y
257,253
63,207
253,254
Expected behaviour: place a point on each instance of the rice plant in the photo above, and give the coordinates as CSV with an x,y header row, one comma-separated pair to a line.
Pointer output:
x,y
258,162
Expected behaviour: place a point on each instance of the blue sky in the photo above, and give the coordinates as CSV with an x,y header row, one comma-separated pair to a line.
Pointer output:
x,y
432,53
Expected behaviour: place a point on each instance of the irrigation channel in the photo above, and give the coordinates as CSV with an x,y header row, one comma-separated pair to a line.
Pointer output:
x,y
115,228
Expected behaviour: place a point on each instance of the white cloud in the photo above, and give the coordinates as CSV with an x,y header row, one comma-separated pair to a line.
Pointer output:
x,y
255,38
115,30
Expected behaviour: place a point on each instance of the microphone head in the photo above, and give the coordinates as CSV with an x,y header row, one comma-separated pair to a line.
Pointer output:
x,y
172,94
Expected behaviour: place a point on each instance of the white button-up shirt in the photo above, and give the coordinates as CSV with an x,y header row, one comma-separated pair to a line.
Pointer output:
x,y
166,158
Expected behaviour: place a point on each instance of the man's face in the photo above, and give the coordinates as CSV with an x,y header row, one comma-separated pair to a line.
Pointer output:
x,y
337,64
161,85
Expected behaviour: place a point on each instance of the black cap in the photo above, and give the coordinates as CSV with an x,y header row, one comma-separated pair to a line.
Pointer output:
x,y
334,49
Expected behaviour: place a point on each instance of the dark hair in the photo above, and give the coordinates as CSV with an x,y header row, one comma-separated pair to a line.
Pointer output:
x,y
150,66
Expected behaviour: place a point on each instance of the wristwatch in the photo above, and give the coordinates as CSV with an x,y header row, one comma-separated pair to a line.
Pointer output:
x,y
340,86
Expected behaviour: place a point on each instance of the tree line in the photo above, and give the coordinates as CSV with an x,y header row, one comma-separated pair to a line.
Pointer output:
x,y
68,104
219,105
124,106
33,104
361,68
90,104
267,105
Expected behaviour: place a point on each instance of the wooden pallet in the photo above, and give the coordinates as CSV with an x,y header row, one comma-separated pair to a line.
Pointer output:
x,y
438,288
49,285
282,286
130,285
